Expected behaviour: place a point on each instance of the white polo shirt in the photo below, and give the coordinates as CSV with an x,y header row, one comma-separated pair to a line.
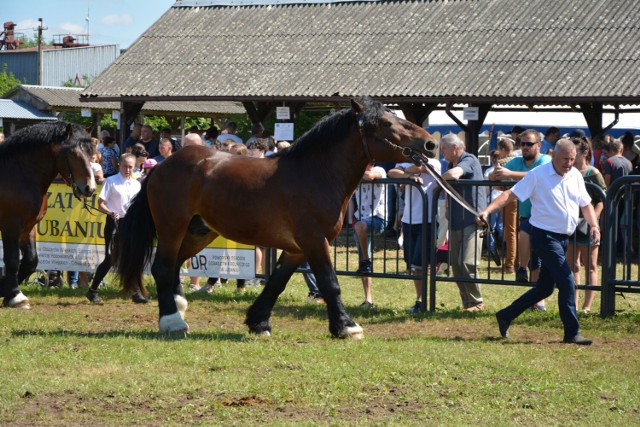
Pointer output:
x,y
412,213
118,192
555,200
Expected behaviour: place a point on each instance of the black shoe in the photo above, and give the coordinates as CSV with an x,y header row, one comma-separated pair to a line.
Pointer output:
x,y
366,268
417,308
495,257
503,325
521,275
139,299
578,339
93,297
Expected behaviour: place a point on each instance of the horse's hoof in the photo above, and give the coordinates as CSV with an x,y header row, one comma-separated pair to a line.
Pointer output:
x,y
173,323
181,304
19,301
260,329
354,332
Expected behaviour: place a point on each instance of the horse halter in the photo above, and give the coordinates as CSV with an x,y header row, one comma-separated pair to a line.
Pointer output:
x,y
365,146
70,180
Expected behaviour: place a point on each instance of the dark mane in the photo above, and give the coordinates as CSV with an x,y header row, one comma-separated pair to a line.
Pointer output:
x,y
331,129
34,137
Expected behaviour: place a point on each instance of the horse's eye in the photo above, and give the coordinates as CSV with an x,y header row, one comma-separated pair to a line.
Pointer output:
x,y
387,124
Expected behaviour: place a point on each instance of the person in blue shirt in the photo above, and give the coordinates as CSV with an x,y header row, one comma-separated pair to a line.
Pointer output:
x,y
464,233
550,137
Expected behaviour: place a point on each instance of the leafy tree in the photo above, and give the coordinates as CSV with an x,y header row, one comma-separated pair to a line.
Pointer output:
x,y
27,42
7,81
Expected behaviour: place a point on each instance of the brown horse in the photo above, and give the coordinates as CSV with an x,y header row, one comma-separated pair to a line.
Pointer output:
x,y
29,161
295,201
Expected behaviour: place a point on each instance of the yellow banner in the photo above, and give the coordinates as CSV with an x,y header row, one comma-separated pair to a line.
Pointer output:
x,y
71,237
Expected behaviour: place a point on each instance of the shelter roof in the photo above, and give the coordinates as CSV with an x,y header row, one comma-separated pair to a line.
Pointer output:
x,y
10,109
493,51
68,98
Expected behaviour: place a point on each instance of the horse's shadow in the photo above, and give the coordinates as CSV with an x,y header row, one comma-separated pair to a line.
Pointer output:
x,y
143,335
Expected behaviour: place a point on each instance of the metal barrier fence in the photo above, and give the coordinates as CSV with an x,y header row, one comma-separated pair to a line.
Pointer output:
x,y
496,276
619,274
620,258
390,263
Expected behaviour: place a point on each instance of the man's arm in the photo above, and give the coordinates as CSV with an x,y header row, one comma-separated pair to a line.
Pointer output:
x,y
405,173
453,174
372,174
590,216
503,174
102,207
503,199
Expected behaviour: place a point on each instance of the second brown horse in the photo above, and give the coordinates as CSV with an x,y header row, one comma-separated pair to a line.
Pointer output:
x,y
294,201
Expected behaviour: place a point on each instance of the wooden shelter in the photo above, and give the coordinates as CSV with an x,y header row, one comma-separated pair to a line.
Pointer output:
x,y
418,55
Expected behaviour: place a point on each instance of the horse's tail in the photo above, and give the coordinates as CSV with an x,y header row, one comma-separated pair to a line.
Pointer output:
x,y
134,245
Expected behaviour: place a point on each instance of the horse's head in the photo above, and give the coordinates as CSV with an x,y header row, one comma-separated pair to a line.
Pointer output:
x,y
73,157
387,137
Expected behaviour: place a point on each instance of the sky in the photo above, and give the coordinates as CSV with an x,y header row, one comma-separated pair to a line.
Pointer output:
x,y
118,22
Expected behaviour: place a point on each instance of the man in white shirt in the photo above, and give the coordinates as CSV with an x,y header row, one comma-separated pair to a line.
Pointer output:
x,y
412,219
557,192
370,217
115,197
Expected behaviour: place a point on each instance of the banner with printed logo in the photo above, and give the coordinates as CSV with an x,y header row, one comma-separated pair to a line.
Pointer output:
x,y
70,238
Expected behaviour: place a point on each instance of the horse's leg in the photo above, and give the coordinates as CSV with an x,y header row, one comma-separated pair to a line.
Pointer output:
x,y
172,306
340,324
9,284
260,311
29,260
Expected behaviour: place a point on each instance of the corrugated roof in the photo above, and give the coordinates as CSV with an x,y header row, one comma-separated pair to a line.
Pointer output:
x,y
21,110
68,98
473,50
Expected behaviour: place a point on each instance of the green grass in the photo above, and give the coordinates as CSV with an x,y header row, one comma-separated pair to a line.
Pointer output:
x,y
69,363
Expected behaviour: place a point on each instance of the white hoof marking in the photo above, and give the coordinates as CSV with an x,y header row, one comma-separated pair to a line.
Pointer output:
x,y
20,301
173,323
182,305
356,332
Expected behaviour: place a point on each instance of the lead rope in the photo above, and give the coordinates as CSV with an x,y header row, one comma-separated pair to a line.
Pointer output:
x,y
419,159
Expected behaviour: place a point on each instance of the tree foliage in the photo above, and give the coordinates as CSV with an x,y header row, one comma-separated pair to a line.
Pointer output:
x,y
7,81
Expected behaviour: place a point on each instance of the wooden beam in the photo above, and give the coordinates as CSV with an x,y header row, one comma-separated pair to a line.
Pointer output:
x,y
417,112
592,113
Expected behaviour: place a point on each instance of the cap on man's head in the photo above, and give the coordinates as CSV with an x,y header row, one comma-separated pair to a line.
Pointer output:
x,y
517,129
577,133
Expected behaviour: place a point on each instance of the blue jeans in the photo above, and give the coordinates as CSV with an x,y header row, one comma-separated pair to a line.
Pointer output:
x,y
412,244
310,279
495,221
534,260
555,272
73,278
374,224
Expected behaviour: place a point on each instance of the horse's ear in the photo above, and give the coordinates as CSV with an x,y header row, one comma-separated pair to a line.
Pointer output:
x,y
68,133
357,107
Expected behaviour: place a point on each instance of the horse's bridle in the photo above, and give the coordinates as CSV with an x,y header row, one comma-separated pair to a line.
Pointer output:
x,y
70,179
365,146
421,160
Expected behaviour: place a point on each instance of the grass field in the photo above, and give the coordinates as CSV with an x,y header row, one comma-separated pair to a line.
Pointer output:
x,y
70,363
